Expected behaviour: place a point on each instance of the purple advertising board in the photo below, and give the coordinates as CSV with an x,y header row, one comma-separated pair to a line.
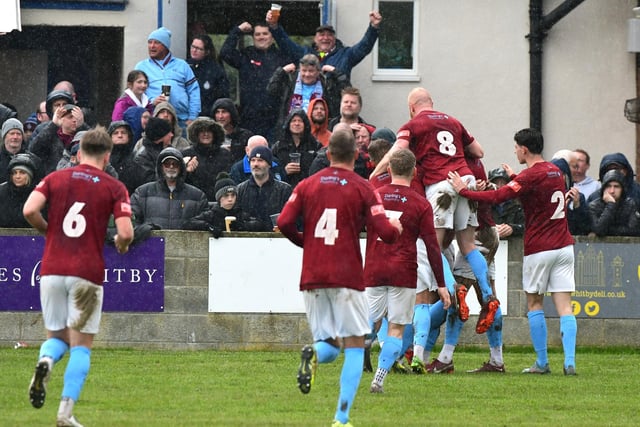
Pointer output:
x,y
132,282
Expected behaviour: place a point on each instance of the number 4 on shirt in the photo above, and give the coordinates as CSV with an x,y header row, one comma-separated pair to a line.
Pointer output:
x,y
326,227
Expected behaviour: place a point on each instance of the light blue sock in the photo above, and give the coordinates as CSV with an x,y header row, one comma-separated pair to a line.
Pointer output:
x,y
452,329
76,372
54,348
390,352
449,280
325,352
384,329
407,338
438,316
479,267
494,333
538,331
569,331
421,324
349,381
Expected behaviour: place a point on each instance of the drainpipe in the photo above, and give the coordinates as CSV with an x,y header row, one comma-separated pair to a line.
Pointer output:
x,y
160,17
539,26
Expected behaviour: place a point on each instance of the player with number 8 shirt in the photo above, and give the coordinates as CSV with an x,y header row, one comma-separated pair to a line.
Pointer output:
x,y
335,205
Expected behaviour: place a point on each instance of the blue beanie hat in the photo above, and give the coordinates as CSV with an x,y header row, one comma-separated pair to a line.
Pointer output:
x,y
163,35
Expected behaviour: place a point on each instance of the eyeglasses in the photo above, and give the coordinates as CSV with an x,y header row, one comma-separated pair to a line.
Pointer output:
x,y
171,165
197,48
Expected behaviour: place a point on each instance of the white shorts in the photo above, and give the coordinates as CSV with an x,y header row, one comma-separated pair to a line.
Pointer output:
x,y
71,302
487,242
549,271
395,301
450,210
336,313
426,279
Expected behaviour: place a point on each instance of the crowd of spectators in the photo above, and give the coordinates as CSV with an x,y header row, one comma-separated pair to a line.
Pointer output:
x,y
290,99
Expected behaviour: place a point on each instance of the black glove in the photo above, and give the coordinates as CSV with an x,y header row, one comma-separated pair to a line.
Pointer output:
x,y
216,232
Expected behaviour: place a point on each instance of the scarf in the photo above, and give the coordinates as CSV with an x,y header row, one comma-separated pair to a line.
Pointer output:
x,y
134,98
296,98
66,139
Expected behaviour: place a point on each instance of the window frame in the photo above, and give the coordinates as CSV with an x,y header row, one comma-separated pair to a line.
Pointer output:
x,y
394,74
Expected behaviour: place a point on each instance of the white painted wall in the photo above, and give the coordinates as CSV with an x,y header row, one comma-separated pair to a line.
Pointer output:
x,y
474,59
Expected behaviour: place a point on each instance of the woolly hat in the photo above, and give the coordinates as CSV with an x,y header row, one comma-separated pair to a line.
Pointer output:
x,y
224,185
162,35
23,162
156,129
263,153
24,169
384,133
11,124
30,124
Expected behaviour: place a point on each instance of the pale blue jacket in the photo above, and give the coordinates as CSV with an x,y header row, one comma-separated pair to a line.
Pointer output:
x,y
185,91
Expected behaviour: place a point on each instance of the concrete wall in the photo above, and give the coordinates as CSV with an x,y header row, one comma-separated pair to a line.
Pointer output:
x,y
187,324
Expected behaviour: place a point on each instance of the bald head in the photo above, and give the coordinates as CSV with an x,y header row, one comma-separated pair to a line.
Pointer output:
x,y
255,141
419,99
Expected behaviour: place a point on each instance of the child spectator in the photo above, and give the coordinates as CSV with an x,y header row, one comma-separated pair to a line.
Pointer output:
x,y
213,219
134,95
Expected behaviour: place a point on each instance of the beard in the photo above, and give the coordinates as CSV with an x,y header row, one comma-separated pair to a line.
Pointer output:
x,y
171,174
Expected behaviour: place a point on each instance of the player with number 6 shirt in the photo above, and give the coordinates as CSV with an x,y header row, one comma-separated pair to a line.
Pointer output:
x,y
79,201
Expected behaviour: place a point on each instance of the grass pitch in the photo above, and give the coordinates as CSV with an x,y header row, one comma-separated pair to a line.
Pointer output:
x,y
223,388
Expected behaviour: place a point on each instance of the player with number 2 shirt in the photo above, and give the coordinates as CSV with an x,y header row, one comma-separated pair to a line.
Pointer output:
x,y
548,262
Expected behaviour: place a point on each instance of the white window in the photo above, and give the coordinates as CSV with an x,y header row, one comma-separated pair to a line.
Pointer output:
x,y
396,56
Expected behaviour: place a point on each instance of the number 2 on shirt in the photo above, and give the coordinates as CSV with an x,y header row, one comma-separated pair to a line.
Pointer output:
x,y
326,227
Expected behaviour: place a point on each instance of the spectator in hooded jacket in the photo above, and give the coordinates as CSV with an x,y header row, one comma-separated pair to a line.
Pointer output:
x,y
212,78
136,118
224,112
318,113
168,201
255,64
122,158
619,162
206,158
327,47
614,213
157,136
297,88
164,110
163,69
261,195
23,177
296,140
